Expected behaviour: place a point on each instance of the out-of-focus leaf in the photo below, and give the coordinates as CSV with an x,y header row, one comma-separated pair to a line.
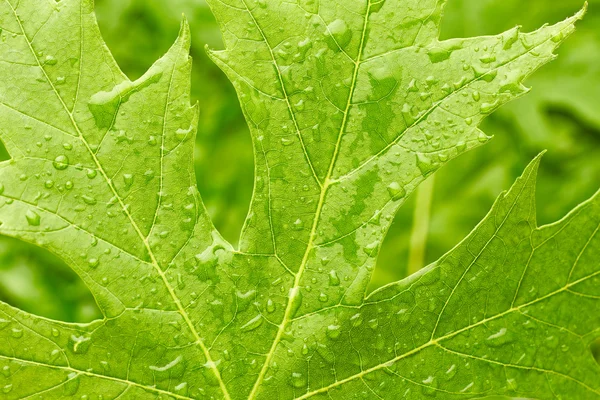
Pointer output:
x,y
560,114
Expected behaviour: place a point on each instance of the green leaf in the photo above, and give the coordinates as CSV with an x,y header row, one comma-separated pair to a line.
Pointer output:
x,y
351,107
556,115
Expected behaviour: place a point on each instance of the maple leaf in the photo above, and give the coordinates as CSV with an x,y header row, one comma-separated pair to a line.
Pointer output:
x,y
351,106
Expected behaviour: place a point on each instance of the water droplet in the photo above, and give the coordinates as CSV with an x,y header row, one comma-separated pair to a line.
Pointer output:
x,y
253,323
50,60
88,200
33,218
182,389
298,225
79,344
333,332
396,191
338,34
7,388
128,179
371,248
182,134
71,386
425,164
451,372
499,338
356,320
373,323
487,108
209,372
61,163
298,380
270,306
430,386
93,262
296,300
488,58
334,279
168,366
439,54
323,297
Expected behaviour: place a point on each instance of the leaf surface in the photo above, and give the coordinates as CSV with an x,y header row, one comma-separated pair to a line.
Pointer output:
x,y
351,106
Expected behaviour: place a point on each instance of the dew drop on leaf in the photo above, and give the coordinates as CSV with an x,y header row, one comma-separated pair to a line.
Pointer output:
x,y
396,191
61,163
33,218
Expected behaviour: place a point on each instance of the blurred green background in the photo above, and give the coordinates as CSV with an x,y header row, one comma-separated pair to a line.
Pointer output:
x,y
561,114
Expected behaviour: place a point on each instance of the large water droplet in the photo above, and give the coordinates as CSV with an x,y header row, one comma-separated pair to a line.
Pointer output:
x,y
79,344
429,386
298,380
168,366
333,332
270,306
253,323
338,34
33,218
88,200
396,191
296,300
61,163
334,279
71,386
425,164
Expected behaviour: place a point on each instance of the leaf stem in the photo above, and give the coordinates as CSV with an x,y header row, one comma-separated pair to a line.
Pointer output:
x,y
420,227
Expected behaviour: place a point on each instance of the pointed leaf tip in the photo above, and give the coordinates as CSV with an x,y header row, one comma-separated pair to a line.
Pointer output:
x,y
184,35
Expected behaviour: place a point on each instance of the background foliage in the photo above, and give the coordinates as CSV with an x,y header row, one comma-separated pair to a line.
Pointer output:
x,y
560,115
